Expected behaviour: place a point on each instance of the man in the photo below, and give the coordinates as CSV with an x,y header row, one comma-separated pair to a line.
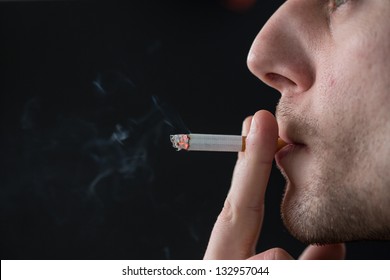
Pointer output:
x,y
330,60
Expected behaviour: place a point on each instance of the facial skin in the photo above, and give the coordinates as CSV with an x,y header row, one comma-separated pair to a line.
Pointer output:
x,y
330,60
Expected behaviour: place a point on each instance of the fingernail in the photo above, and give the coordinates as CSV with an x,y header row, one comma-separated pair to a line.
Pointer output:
x,y
253,126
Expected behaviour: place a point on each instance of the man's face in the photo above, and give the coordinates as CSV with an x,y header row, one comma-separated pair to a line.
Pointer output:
x,y
331,62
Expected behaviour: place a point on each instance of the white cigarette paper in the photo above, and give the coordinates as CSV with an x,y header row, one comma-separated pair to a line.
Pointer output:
x,y
208,142
213,142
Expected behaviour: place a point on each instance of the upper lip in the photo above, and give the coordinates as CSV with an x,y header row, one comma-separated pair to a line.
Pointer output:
x,y
290,139
292,143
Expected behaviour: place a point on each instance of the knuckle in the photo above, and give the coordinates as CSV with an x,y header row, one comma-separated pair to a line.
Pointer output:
x,y
232,213
277,254
227,214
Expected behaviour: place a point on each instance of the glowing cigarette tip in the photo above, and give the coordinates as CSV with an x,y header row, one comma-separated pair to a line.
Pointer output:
x,y
180,141
213,142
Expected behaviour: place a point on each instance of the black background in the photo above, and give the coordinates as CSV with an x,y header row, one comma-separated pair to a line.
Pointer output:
x,y
78,76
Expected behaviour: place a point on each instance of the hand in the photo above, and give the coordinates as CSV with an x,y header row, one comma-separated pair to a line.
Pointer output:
x,y
236,231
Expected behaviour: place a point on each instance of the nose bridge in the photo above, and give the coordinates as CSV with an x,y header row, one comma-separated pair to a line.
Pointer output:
x,y
282,53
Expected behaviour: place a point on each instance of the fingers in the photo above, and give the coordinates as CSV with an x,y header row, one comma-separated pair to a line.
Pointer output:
x,y
326,252
312,252
237,228
273,254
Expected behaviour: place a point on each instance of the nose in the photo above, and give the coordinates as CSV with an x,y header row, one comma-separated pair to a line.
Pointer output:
x,y
283,53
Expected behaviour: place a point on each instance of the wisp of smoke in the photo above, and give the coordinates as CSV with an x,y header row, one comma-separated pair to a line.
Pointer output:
x,y
110,141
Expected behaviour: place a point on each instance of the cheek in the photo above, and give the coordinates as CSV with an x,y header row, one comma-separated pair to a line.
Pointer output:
x,y
337,107
344,123
331,103
343,84
360,64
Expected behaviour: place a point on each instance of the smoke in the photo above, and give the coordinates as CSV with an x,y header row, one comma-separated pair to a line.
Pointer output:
x,y
99,146
88,167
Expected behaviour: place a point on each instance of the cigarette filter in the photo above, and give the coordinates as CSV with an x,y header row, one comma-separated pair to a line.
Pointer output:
x,y
212,142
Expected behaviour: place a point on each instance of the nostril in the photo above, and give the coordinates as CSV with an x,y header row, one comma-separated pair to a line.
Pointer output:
x,y
278,81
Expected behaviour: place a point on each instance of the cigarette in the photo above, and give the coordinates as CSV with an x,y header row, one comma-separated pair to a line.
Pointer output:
x,y
213,142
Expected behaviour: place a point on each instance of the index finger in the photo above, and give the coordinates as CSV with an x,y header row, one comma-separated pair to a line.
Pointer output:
x,y
237,228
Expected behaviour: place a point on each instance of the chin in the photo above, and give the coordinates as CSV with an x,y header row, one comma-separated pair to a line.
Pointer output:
x,y
314,215
303,225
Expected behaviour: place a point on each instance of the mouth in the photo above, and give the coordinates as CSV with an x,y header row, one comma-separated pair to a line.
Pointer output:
x,y
291,148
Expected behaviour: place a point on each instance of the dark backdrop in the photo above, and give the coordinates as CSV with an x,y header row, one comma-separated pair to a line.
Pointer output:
x,y
90,92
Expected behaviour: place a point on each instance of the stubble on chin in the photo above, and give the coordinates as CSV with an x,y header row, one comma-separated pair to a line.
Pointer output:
x,y
310,209
332,204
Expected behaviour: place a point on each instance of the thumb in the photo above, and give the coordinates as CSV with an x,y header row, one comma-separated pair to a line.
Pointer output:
x,y
325,252
273,254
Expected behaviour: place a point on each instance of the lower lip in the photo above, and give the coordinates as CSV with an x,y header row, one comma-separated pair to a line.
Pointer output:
x,y
287,150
